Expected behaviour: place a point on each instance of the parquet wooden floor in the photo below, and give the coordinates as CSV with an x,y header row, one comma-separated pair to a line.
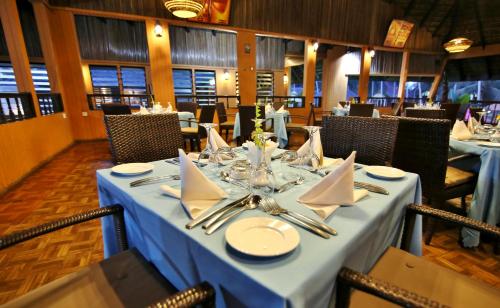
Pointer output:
x,y
67,185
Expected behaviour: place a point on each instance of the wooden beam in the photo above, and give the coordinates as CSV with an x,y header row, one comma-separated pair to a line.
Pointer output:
x,y
364,74
309,73
438,78
16,46
477,51
448,14
428,13
403,76
247,75
160,63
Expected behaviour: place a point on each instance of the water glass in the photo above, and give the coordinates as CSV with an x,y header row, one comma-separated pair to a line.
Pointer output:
x,y
287,158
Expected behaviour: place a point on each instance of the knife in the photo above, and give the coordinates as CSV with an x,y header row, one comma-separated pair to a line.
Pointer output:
x,y
371,187
207,215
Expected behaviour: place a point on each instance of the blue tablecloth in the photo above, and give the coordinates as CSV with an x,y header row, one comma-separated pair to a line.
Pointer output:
x,y
185,115
485,205
303,278
339,111
279,126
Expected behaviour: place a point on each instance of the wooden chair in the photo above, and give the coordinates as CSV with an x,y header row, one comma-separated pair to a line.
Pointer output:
x,y
361,110
195,133
462,111
187,107
451,112
278,105
247,126
406,280
294,127
126,279
372,138
115,109
425,113
422,148
224,124
143,138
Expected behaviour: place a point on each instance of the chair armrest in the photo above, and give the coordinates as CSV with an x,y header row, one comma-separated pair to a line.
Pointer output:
x,y
460,157
413,209
189,121
347,279
202,293
24,235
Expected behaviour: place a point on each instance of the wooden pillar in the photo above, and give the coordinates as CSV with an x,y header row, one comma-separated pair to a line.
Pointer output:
x,y
17,49
364,74
438,78
309,73
405,63
161,63
247,76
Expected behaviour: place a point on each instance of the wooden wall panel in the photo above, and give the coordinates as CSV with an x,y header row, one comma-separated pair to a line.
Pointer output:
x,y
309,74
247,76
364,74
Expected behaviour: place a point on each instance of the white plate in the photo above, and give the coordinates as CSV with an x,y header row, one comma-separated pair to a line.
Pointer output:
x,y
262,236
132,168
385,172
489,144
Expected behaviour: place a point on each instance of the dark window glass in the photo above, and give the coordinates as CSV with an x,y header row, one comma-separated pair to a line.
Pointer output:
x,y
133,80
205,85
264,83
318,80
183,83
7,78
296,82
104,79
40,78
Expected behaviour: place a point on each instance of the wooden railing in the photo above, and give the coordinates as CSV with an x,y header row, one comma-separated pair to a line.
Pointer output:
x,y
290,101
50,103
133,100
231,101
16,107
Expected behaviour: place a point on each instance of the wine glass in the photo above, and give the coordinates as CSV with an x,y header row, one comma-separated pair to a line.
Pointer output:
x,y
262,180
287,158
208,152
314,158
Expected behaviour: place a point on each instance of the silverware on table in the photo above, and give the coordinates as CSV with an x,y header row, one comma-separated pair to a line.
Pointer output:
x,y
209,214
250,205
290,184
154,179
176,161
270,206
371,187
277,156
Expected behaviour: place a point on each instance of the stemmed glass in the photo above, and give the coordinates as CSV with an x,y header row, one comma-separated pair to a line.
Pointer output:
x,y
287,158
214,158
312,130
262,180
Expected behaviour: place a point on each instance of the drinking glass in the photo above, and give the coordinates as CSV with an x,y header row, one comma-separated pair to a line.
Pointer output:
x,y
214,158
312,130
287,158
262,180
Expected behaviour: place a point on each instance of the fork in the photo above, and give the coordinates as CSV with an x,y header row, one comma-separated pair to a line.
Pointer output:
x,y
154,179
267,206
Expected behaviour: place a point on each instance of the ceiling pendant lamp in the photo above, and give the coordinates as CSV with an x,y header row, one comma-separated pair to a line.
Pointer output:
x,y
185,8
459,44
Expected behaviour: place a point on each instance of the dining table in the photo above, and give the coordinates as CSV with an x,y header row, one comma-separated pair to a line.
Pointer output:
x,y
485,204
184,117
279,120
342,112
305,277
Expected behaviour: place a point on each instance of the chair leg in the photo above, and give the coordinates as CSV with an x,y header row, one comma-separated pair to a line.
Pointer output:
x,y
431,224
227,134
198,144
191,144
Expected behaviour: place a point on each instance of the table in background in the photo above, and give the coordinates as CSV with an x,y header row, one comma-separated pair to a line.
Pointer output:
x,y
485,205
183,115
155,224
279,120
342,112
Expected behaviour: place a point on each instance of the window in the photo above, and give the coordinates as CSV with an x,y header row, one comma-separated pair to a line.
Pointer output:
x,y
105,79
417,89
265,83
7,78
296,82
40,78
352,87
134,80
318,80
205,85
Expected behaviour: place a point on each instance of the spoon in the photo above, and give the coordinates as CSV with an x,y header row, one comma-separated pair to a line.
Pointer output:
x,y
300,180
252,204
227,178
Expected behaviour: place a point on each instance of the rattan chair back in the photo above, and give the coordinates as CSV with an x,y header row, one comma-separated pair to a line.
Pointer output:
x,y
115,109
187,107
206,116
361,110
422,148
451,112
143,138
425,113
372,138
221,112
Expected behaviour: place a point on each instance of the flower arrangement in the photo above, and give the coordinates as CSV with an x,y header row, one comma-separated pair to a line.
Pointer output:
x,y
257,133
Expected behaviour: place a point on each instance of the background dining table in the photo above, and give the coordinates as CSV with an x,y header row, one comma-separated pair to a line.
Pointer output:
x,y
279,122
305,277
485,205
342,111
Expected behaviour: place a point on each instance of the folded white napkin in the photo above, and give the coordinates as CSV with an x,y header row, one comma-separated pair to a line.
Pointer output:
x,y
268,108
197,192
334,190
157,108
317,148
254,155
170,109
143,110
460,131
282,109
217,142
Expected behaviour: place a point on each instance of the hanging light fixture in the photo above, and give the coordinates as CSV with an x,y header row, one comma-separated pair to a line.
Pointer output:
x,y
185,8
459,44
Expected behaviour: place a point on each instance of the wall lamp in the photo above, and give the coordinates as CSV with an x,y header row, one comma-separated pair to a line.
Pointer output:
x,y
285,79
226,75
315,46
158,30
371,52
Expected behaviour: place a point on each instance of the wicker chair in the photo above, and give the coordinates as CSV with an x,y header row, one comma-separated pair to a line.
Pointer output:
x,y
187,107
125,279
361,110
451,112
224,124
115,109
425,113
294,127
195,133
422,148
373,139
143,138
418,283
